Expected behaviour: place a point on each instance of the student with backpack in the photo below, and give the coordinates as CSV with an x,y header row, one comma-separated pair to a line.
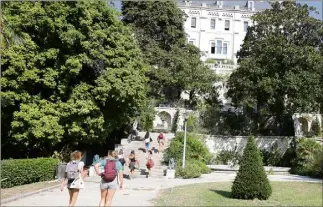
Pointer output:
x,y
74,177
150,163
161,140
147,141
110,178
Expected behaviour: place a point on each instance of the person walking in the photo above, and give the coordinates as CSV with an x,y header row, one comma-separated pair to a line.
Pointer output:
x,y
112,178
150,163
74,177
161,141
132,163
147,141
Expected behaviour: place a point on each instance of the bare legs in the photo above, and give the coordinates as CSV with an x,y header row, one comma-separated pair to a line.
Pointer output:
x,y
106,197
73,196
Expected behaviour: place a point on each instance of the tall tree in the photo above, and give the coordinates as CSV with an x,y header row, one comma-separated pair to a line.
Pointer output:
x,y
280,69
78,76
176,65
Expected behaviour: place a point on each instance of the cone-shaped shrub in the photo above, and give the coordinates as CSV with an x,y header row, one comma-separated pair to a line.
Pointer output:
x,y
251,181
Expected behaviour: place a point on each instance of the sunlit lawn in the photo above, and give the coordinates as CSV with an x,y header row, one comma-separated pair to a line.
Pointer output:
x,y
218,194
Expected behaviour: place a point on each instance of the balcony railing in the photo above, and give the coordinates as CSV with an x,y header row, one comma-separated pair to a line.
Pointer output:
x,y
222,69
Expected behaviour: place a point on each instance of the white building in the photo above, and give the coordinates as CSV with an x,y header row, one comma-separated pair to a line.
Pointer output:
x,y
218,31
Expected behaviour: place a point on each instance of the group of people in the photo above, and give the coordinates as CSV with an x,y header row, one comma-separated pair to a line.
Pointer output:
x,y
112,175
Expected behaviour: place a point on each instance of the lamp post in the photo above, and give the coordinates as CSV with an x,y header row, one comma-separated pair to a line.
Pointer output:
x,y
184,151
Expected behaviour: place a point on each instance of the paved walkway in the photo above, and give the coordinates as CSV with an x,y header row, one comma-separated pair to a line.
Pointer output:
x,y
136,192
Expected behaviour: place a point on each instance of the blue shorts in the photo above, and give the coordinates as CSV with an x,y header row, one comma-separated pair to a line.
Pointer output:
x,y
147,145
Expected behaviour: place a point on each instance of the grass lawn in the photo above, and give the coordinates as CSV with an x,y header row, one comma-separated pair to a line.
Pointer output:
x,y
15,191
219,194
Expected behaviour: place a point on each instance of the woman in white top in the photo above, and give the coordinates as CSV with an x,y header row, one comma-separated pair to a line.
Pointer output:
x,y
74,176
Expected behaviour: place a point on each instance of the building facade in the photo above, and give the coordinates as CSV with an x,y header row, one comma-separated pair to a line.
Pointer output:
x,y
217,30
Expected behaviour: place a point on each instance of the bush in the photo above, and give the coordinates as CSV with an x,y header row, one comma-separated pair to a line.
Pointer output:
x,y
251,181
191,170
316,129
202,166
271,158
25,171
195,148
191,124
174,125
308,158
226,156
287,158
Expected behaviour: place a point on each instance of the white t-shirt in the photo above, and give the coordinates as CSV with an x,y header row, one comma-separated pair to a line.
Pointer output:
x,y
80,166
147,140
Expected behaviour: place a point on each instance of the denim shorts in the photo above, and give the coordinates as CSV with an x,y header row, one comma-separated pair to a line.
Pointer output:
x,y
147,145
109,185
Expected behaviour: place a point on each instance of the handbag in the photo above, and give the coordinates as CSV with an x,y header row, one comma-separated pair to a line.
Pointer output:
x,y
78,183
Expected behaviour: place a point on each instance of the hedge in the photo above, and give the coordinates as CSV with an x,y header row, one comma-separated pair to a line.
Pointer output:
x,y
25,171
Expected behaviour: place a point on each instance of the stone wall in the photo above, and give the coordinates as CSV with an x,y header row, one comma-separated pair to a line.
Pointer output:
x,y
217,144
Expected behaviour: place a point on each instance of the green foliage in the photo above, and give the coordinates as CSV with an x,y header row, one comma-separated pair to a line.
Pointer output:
x,y
174,125
191,170
25,171
175,64
251,181
227,156
271,158
288,157
308,158
191,124
197,155
272,65
195,149
316,129
78,76
147,116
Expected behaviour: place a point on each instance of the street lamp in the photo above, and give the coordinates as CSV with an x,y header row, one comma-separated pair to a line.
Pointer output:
x,y
185,126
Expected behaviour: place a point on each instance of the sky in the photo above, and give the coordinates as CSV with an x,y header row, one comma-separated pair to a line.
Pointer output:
x,y
259,5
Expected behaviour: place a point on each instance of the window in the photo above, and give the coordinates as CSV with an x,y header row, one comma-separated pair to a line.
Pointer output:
x,y
225,48
212,23
191,42
245,26
218,47
227,25
212,48
193,22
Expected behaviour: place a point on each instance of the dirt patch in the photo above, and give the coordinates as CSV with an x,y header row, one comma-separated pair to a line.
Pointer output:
x,y
29,188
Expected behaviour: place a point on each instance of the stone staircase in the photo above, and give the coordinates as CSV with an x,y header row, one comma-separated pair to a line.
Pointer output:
x,y
139,147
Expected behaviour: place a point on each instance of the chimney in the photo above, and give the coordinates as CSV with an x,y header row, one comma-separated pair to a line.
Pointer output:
x,y
251,5
219,4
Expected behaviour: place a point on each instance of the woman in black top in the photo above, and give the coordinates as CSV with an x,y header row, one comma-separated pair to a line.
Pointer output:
x,y
132,164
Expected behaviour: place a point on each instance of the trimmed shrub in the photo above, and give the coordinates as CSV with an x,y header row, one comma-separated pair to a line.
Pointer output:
x,y
308,158
202,166
174,125
191,124
25,171
251,181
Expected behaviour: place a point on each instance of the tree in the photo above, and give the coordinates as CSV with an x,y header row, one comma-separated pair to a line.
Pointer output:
x,y
251,180
174,125
78,76
280,65
175,64
316,128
